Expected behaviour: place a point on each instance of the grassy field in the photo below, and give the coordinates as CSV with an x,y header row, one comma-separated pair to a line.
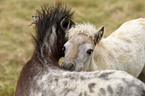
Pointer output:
x,y
16,44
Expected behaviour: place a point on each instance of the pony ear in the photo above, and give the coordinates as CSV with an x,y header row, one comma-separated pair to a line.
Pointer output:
x,y
66,24
99,35
35,18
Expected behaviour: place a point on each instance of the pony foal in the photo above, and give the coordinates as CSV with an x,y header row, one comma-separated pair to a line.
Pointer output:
x,y
42,76
123,50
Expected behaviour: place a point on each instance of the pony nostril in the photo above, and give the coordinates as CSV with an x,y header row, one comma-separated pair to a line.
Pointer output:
x,y
64,66
68,66
71,67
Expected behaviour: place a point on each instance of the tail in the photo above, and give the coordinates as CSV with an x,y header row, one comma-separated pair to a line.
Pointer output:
x,y
51,26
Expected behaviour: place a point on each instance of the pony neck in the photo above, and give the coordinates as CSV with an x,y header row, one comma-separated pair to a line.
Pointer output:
x,y
98,58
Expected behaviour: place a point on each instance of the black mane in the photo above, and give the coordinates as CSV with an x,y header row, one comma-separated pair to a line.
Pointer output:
x,y
49,21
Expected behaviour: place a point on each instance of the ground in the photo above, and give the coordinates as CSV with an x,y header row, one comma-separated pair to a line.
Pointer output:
x,y
16,44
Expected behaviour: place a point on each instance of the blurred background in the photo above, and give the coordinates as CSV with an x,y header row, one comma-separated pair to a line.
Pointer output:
x,y
16,44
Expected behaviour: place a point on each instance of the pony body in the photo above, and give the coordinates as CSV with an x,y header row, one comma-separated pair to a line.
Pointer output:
x,y
122,50
98,83
42,76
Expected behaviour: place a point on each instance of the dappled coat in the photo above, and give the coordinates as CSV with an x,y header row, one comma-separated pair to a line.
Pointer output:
x,y
41,76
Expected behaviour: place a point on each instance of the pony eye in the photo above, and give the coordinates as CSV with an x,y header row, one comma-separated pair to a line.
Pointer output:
x,y
89,51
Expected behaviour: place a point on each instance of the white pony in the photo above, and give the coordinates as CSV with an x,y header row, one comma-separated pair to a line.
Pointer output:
x,y
123,50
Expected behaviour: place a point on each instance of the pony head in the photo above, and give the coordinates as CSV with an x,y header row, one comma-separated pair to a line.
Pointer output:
x,y
79,48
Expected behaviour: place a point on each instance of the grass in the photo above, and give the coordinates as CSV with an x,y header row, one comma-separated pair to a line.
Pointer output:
x,y
16,45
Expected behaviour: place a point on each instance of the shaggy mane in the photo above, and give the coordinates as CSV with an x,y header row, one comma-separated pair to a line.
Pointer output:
x,y
85,28
48,30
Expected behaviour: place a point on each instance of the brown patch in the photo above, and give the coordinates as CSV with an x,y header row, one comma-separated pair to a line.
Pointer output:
x,y
74,52
91,86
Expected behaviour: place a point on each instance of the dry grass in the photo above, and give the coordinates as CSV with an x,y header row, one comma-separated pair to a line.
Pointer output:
x,y
16,45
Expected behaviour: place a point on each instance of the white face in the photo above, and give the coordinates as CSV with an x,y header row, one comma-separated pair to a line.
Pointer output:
x,y
78,51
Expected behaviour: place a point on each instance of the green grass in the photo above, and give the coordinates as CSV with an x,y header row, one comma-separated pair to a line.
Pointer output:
x,y
16,45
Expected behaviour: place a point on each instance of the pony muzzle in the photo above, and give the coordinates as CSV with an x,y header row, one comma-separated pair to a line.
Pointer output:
x,y
68,65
